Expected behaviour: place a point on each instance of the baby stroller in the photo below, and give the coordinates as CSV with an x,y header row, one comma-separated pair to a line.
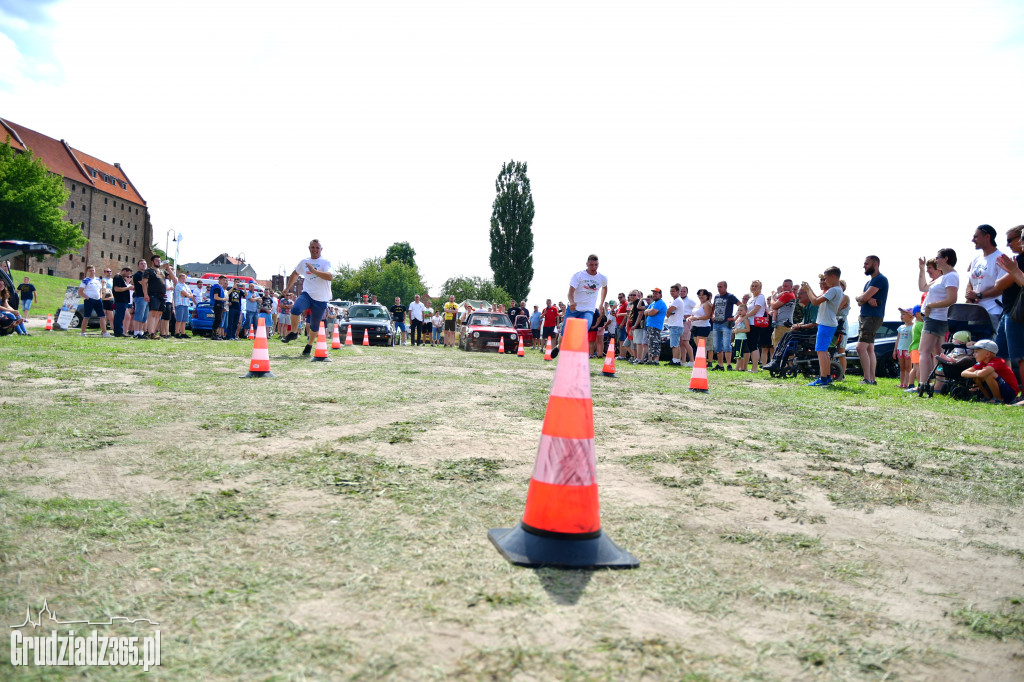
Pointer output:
x,y
968,319
795,355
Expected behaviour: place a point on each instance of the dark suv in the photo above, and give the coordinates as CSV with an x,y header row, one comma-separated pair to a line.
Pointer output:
x,y
885,344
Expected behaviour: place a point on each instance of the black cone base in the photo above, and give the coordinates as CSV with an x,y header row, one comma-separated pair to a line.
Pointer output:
x,y
526,549
258,375
699,390
606,375
316,359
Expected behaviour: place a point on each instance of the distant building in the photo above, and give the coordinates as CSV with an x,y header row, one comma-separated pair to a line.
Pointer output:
x,y
222,265
103,203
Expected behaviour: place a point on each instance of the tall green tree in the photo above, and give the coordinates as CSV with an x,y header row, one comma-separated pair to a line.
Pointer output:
x,y
476,288
512,230
30,203
402,252
374,276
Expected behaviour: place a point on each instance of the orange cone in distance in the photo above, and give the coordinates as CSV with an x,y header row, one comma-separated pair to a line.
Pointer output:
x,y
522,348
320,352
49,323
501,345
366,337
547,350
609,361
561,526
252,332
259,365
335,339
699,378
348,336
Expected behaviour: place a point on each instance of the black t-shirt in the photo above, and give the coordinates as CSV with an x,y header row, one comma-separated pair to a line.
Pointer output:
x,y
267,304
137,281
598,321
1011,293
26,291
515,312
634,311
121,296
235,297
723,304
156,283
398,313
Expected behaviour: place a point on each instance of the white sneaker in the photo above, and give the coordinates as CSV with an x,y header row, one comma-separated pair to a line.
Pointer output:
x,y
82,334
689,364
106,335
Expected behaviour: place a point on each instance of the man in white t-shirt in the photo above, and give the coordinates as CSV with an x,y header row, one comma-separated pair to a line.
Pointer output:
x,y
675,320
587,289
316,292
90,291
984,272
416,310
689,305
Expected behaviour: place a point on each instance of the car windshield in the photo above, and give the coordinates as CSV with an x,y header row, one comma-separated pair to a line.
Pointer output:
x,y
489,320
368,312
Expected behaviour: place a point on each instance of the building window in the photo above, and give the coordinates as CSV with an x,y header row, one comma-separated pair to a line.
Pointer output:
x,y
83,190
135,244
120,240
122,223
72,187
104,217
72,204
104,200
111,236
71,259
102,255
104,235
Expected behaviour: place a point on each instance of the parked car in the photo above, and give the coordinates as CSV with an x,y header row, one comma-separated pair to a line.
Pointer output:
x,y
885,343
523,328
374,320
202,319
484,330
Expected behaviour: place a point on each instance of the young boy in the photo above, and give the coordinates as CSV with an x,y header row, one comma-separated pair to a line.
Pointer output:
x,y
992,375
827,321
901,353
915,343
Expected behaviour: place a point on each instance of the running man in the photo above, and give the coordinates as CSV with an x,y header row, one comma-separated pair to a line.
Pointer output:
x,y
587,290
316,292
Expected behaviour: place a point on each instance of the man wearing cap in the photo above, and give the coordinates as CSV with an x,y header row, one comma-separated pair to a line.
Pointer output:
x,y
655,314
991,374
984,272
872,312
587,289
316,292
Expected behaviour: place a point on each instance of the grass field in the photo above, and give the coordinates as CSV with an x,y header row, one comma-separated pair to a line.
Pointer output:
x,y
49,290
332,522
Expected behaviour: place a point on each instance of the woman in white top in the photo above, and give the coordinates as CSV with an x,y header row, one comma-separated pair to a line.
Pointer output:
x,y
941,293
757,337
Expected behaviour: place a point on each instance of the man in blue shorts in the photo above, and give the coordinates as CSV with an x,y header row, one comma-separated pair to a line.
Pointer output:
x,y
587,290
316,292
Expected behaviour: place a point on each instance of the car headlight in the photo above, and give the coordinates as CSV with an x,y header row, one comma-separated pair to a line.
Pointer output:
x,y
513,336
476,335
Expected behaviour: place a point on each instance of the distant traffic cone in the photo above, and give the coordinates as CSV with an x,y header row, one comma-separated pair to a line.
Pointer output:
x,y
320,352
561,526
49,323
252,332
522,348
366,337
335,339
699,378
547,350
609,361
348,336
501,345
259,366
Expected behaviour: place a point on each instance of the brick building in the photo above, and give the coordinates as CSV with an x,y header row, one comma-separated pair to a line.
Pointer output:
x,y
102,201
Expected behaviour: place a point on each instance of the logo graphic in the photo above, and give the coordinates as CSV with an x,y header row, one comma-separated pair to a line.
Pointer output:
x,y
82,650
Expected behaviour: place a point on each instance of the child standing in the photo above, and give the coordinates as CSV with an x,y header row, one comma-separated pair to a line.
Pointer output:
x,y
915,342
904,336
740,329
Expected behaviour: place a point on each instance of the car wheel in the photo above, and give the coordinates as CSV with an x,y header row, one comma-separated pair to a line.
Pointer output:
x,y
76,322
836,370
888,368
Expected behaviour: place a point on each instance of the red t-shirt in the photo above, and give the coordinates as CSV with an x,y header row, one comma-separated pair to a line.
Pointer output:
x,y
551,316
1002,369
620,313
785,297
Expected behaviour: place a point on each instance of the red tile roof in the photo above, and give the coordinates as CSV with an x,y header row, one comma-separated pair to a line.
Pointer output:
x,y
70,163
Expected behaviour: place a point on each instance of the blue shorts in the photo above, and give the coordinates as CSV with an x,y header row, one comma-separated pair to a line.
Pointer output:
x,y
180,313
400,326
587,315
26,304
721,335
141,310
93,305
674,335
317,309
1010,338
824,338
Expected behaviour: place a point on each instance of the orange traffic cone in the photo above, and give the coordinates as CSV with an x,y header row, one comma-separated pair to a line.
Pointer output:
x,y
699,378
501,345
609,361
348,336
547,350
561,525
252,332
320,352
335,339
366,337
259,366
49,323
522,348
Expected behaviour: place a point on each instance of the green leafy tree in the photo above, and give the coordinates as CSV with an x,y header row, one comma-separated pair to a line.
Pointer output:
x,y
402,252
476,288
30,203
374,276
512,231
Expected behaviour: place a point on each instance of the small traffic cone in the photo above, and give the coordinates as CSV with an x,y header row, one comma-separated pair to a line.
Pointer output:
x,y
366,337
547,350
335,339
522,348
252,332
501,345
348,336
320,352
699,378
49,323
609,361
259,365
561,526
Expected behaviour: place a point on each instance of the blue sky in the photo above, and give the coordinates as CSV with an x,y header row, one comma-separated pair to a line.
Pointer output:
x,y
680,141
